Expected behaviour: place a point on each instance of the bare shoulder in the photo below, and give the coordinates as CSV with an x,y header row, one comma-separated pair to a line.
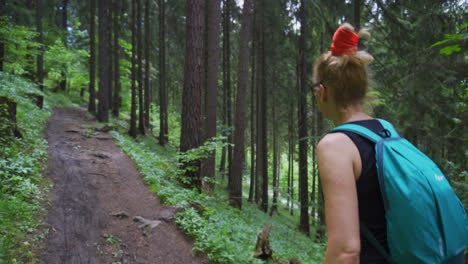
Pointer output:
x,y
337,154
334,142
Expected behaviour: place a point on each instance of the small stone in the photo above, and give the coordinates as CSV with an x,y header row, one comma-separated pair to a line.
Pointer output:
x,y
146,223
120,215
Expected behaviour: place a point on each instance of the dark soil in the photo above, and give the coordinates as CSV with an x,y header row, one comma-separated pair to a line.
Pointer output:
x,y
97,194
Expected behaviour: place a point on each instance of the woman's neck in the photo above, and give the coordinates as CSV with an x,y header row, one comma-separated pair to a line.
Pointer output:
x,y
350,114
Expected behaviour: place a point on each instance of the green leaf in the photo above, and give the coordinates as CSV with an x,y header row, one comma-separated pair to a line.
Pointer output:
x,y
453,36
440,42
449,49
464,26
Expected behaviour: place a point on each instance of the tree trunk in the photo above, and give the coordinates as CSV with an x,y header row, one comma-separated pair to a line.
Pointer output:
x,y
103,107
292,174
274,206
314,161
116,101
357,14
252,115
141,107
162,77
291,158
8,112
321,202
110,55
2,44
226,82
63,83
222,163
64,20
133,116
263,110
235,190
40,40
228,86
191,98
147,62
92,58
212,51
303,185
259,148
321,212
28,57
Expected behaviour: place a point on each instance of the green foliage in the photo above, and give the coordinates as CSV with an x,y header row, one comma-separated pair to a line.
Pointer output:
x,y
114,243
451,38
57,58
188,158
225,234
20,46
21,162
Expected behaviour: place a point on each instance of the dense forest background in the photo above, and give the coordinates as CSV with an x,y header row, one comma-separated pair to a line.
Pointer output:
x,y
227,83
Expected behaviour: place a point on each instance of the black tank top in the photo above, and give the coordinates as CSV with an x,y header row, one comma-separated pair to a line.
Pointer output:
x,y
370,204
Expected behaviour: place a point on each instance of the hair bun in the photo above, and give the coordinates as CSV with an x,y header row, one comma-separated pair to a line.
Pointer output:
x,y
344,42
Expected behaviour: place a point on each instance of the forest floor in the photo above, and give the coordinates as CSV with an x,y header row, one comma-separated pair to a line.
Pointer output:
x,y
97,198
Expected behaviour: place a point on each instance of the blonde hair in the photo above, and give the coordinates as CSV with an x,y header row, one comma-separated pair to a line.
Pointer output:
x,y
345,75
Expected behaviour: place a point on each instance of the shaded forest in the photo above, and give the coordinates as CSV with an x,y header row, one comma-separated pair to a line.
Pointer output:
x,y
225,86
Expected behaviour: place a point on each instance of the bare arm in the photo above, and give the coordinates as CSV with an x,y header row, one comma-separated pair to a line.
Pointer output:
x,y
339,161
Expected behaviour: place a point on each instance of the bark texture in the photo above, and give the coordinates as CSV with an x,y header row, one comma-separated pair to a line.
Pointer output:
x,y
63,83
139,40
252,114
357,14
163,102
133,116
147,63
103,107
40,40
274,206
92,57
235,190
262,120
211,100
226,86
116,101
303,144
191,98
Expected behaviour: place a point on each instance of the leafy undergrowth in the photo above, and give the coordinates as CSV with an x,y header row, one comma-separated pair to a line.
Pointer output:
x,y
22,162
225,234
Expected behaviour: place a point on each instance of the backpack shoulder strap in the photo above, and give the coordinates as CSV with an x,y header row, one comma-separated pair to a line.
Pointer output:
x,y
389,127
389,131
360,130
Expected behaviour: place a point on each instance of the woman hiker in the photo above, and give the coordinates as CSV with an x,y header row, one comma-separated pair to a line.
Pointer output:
x,y
346,161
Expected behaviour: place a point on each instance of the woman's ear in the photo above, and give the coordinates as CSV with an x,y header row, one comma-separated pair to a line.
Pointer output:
x,y
323,93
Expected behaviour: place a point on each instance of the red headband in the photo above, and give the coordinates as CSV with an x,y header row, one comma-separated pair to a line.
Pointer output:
x,y
344,42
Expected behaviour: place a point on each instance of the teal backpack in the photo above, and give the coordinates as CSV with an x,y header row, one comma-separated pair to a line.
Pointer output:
x,y
426,222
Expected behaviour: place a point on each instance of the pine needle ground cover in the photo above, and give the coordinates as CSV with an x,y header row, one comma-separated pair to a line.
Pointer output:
x,y
23,161
225,234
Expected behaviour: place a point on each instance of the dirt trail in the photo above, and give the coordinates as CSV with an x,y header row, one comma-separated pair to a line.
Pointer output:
x,y
93,181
